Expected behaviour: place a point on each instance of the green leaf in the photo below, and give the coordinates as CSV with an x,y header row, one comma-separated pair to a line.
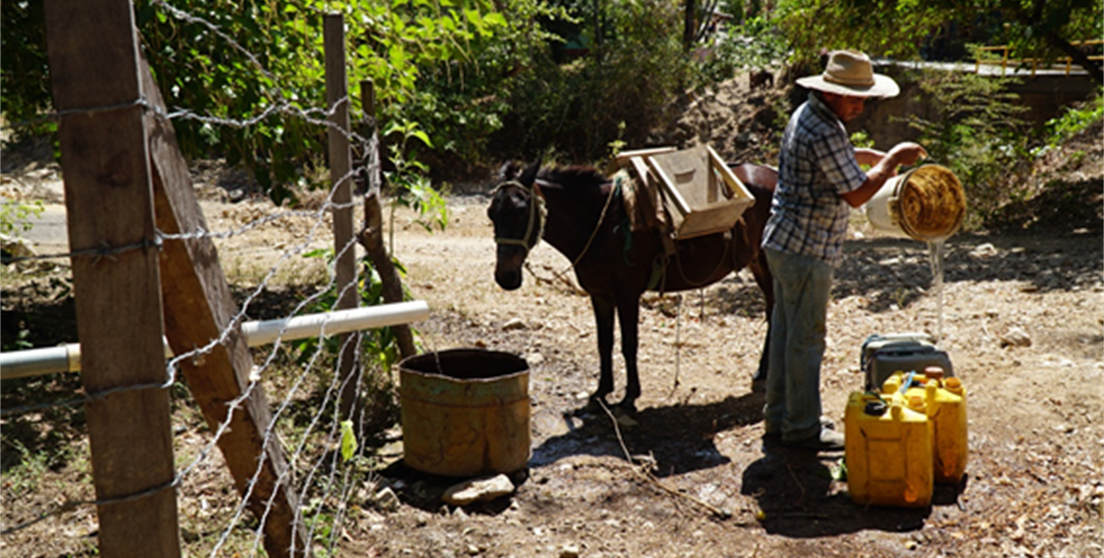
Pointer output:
x,y
324,253
839,471
422,136
348,440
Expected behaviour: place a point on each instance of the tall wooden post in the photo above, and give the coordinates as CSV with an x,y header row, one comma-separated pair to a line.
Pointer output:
x,y
337,101
198,309
94,71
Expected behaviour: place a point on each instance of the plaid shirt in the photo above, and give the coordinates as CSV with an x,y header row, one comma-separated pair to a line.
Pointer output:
x,y
816,165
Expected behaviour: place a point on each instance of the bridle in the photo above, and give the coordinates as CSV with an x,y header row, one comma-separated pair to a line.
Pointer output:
x,y
536,218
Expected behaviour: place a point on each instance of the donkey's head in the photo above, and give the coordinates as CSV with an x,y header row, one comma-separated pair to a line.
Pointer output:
x,y
517,212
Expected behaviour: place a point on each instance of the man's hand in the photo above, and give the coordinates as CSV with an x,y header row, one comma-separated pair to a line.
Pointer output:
x,y
907,153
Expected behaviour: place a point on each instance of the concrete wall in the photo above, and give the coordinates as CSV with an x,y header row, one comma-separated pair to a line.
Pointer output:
x,y
1045,96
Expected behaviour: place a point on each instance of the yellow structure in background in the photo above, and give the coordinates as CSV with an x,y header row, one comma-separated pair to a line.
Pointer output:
x,y
1004,61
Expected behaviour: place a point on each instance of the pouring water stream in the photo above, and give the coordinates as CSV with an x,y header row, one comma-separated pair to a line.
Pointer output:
x,y
935,254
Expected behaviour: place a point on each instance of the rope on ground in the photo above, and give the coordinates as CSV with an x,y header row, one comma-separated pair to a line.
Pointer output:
x,y
678,345
561,276
648,476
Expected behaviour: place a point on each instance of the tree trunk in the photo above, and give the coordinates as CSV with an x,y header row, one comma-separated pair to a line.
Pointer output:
x,y
1033,13
689,29
706,28
371,236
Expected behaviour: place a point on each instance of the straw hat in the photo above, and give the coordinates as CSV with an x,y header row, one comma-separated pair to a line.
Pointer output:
x,y
850,73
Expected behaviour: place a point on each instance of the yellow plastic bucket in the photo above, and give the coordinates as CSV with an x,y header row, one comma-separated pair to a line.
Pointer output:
x,y
926,203
888,452
465,412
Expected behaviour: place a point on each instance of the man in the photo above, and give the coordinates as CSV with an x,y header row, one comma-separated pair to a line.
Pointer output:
x,y
820,180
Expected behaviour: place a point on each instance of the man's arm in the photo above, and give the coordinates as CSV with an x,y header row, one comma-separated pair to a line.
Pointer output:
x,y
868,157
885,167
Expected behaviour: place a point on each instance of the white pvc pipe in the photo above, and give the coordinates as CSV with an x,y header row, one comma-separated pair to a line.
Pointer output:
x,y
37,362
330,323
66,358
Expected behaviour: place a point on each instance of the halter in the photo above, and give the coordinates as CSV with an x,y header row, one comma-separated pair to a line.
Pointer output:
x,y
536,219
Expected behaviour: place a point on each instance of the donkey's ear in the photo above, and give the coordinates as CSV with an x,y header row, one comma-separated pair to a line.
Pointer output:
x,y
508,171
529,175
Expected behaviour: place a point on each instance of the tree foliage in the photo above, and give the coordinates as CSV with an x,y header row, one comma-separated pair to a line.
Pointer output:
x,y
257,68
245,80
25,90
900,28
460,83
979,134
577,109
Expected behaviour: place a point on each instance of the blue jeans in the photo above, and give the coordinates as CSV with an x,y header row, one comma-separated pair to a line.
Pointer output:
x,y
802,285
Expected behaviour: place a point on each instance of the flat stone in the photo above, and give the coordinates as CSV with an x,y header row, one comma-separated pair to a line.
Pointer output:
x,y
386,500
483,489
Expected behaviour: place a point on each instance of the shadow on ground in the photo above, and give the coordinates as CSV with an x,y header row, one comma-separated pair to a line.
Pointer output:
x,y
793,489
678,438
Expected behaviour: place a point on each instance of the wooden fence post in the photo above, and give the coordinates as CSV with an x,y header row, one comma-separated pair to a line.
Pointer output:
x,y
337,101
94,73
199,307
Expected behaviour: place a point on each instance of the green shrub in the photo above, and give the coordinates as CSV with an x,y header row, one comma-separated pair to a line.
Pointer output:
x,y
575,109
1073,121
752,45
15,217
978,134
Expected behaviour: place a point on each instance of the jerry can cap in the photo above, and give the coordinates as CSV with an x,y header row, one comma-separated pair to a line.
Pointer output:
x,y
934,372
875,408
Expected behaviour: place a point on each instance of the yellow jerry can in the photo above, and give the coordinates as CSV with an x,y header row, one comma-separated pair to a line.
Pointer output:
x,y
945,406
888,451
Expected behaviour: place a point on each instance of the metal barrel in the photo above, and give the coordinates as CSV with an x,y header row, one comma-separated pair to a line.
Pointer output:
x,y
465,412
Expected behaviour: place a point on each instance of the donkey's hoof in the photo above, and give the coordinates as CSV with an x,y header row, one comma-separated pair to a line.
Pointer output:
x,y
758,386
627,407
596,403
624,418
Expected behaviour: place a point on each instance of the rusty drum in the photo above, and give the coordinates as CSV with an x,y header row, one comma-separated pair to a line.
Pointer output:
x,y
465,412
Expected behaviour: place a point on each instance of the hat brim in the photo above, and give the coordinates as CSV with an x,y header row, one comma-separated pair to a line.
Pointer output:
x,y
884,86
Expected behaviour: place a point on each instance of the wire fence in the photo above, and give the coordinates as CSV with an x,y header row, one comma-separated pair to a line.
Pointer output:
x,y
324,469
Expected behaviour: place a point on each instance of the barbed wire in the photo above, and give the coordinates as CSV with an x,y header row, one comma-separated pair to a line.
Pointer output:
x,y
104,251
27,409
314,116
74,504
107,251
233,406
224,426
310,473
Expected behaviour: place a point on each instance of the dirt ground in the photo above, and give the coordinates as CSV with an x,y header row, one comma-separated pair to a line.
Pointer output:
x,y
1021,316
1034,477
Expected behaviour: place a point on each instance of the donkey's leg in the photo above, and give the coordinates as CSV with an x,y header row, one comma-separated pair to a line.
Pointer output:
x,y
603,315
765,280
628,313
